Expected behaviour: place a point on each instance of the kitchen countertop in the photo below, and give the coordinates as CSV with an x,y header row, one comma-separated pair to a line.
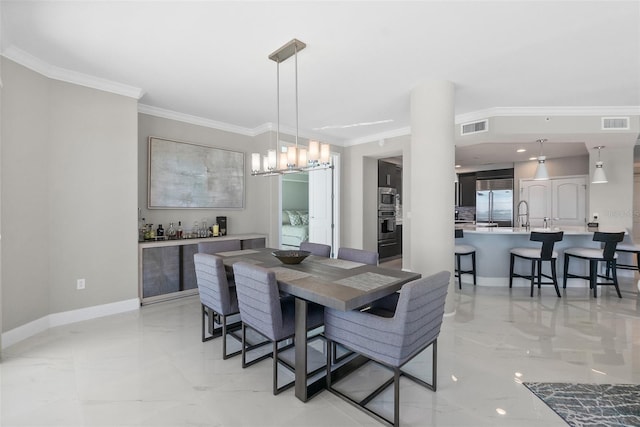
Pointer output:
x,y
568,230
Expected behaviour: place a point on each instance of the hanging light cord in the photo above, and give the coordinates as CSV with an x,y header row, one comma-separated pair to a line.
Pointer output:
x,y
296,65
278,102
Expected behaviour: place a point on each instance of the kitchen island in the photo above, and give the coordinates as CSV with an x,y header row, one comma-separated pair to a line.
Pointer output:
x,y
494,243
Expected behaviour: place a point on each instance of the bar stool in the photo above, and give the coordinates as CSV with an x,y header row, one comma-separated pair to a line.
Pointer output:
x,y
536,256
627,246
461,250
595,255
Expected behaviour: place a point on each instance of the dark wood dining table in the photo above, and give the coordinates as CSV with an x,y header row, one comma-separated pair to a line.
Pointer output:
x,y
340,284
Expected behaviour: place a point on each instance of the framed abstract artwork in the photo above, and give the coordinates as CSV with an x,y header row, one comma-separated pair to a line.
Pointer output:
x,y
185,175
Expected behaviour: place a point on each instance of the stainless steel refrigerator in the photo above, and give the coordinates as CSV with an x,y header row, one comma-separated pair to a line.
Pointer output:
x,y
494,202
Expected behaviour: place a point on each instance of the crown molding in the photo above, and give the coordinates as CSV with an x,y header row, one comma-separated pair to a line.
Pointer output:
x,y
214,124
194,120
547,111
57,73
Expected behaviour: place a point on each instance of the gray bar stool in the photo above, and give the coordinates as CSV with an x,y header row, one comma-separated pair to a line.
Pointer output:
x,y
594,256
628,246
461,250
536,256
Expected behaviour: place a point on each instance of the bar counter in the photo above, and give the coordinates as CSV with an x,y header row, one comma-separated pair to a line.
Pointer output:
x,y
494,243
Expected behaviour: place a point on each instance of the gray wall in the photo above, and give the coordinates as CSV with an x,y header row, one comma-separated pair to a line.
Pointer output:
x,y
254,218
69,162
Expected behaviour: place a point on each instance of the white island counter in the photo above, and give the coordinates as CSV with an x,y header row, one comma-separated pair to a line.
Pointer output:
x,y
494,243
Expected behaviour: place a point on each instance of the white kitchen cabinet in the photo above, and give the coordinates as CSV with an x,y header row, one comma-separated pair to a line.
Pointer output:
x,y
563,200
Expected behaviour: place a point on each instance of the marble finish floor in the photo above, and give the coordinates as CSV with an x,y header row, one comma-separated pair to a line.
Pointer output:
x,y
149,367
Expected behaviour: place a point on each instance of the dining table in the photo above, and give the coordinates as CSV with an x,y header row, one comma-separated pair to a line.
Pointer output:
x,y
335,283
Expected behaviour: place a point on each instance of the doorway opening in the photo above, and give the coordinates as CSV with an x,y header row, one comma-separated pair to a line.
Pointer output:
x,y
310,206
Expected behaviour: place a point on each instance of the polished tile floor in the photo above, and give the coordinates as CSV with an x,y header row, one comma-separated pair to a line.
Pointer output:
x,y
149,367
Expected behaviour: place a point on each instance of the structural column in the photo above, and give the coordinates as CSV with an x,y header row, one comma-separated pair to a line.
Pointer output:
x,y
431,215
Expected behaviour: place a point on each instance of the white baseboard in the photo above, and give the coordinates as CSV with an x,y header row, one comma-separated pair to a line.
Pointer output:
x,y
58,319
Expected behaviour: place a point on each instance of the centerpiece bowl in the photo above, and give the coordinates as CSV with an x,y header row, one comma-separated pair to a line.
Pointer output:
x,y
291,256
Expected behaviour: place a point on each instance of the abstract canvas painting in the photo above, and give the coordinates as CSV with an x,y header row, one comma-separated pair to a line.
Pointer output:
x,y
186,175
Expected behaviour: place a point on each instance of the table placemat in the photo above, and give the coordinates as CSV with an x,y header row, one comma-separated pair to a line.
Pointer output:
x,y
340,263
367,281
287,274
236,253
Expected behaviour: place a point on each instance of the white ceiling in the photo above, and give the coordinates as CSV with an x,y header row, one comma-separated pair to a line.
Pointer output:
x,y
209,59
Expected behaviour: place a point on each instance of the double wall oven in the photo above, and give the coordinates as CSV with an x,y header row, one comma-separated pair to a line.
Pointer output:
x,y
387,234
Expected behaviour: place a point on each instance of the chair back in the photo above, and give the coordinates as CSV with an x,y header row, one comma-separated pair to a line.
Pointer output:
x,y
317,249
459,233
628,237
610,241
358,255
219,246
212,283
258,299
419,313
548,241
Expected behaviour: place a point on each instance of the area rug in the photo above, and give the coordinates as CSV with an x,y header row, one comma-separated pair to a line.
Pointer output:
x,y
582,405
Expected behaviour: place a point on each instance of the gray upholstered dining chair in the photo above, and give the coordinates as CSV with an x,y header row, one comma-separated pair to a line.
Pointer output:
x,y
217,298
317,249
606,254
263,310
219,246
358,255
392,332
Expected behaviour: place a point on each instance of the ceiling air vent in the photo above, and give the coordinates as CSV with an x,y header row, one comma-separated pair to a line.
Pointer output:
x,y
474,127
609,123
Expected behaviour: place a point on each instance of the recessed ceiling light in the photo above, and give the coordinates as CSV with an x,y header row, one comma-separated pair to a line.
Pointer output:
x,y
458,166
501,411
521,150
533,158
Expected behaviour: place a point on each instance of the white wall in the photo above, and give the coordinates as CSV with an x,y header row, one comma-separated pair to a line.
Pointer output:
x,y
613,201
69,161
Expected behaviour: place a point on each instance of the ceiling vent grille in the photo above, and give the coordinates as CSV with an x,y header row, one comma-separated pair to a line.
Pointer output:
x,y
609,123
474,127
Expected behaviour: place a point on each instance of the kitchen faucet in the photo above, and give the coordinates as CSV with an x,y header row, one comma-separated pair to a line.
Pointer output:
x,y
526,214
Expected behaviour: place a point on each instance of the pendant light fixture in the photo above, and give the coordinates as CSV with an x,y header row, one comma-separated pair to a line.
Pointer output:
x,y
541,171
598,175
295,158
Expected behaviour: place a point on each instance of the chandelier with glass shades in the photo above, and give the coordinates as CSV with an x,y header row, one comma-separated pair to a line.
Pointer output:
x,y
295,159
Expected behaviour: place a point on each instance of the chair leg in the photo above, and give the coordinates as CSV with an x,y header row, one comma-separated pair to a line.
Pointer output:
x,y
244,346
539,262
615,278
511,271
223,319
204,317
329,357
533,274
458,271
593,277
275,368
473,265
434,364
396,397
566,270
554,276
